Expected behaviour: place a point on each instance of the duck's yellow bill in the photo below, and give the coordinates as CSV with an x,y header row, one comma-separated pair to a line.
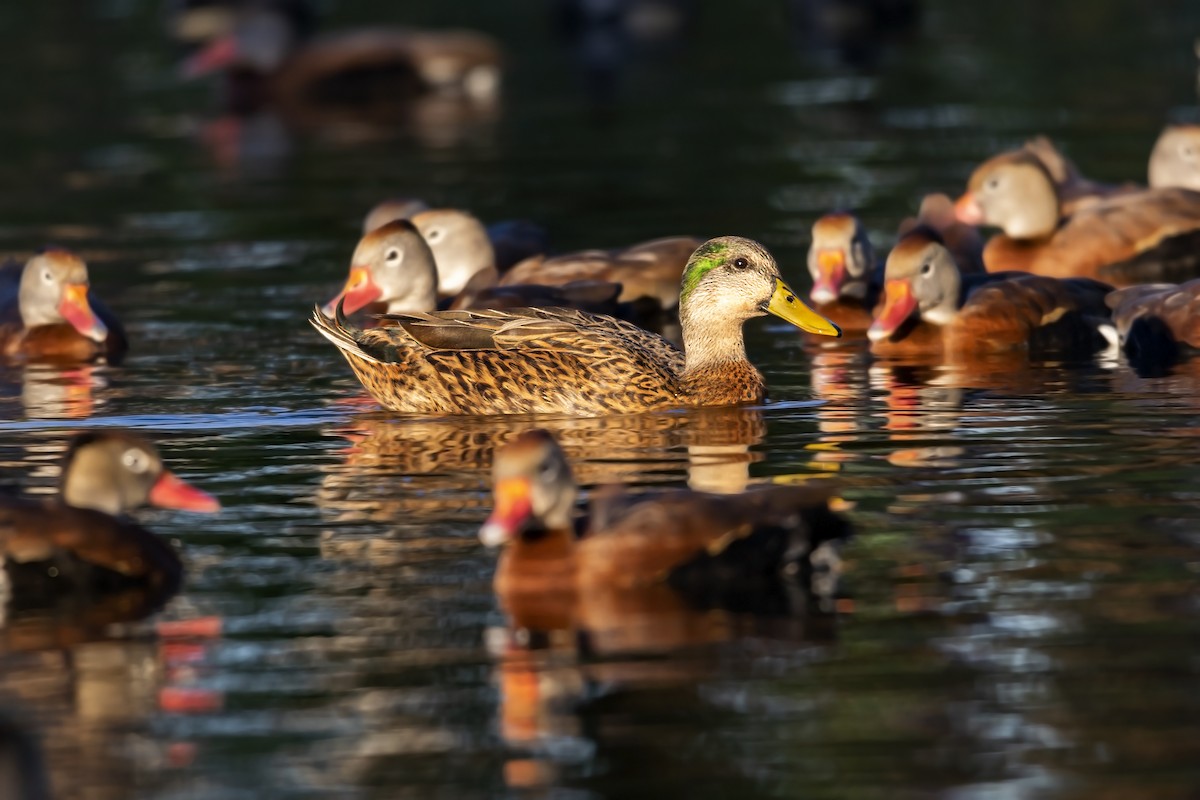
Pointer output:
x,y
787,305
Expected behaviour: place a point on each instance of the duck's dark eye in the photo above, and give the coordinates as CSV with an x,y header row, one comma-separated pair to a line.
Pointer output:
x,y
740,263
992,184
927,268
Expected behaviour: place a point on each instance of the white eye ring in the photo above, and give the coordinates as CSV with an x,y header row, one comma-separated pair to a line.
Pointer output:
x,y
135,461
393,256
433,235
47,276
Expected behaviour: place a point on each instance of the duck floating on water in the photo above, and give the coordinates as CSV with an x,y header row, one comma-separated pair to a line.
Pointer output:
x,y
1121,239
395,267
563,361
79,542
48,311
925,293
630,542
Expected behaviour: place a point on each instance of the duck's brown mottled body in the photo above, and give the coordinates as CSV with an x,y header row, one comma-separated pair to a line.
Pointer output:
x,y
514,362
1177,306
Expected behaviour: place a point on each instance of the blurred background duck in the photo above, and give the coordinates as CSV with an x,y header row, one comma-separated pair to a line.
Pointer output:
x,y
464,248
1175,159
557,360
646,271
989,312
270,55
1157,322
701,543
846,278
48,311
1122,239
395,270
80,542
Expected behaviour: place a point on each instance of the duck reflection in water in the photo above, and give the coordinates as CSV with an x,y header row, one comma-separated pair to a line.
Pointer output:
x,y
22,770
441,460
52,392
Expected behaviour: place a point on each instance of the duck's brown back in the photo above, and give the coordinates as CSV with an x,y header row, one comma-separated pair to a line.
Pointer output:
x,y
1095,242
643,539
1031,310
94,542
1177,307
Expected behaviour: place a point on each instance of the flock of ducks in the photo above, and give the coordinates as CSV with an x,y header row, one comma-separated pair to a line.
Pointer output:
x,y
463,319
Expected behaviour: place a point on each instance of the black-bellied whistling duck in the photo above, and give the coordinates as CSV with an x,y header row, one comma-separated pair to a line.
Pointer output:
x,y
1175,159
394,269
929,305
79,541
270,60
646,271
47,311
631,542
455,236
1118,239
846,279
963,241
1154,320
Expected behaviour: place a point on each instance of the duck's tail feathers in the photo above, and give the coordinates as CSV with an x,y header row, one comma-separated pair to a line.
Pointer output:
x,y
339,333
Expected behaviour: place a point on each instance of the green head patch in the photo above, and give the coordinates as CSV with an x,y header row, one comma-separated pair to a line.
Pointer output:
x,y
708,257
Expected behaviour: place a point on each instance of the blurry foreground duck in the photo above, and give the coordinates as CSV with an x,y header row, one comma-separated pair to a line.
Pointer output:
x,y
931,307
1123,239
628,542
47,311
79,542
562,361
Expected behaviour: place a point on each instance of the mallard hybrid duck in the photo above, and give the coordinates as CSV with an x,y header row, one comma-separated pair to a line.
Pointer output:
x,y
635,541
564,361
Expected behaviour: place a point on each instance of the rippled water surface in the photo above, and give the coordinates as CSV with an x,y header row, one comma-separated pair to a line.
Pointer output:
x,y
1018,612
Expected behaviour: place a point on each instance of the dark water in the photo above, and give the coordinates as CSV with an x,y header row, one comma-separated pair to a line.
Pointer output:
x,y
1018,615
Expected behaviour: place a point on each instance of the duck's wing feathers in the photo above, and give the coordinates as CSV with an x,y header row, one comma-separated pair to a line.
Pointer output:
x,y
1177,307
512,361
